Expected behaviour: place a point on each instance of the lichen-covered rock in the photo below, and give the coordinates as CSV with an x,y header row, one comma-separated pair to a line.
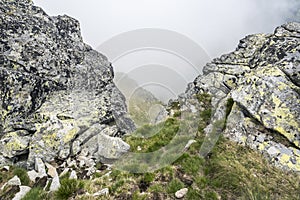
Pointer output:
x,y
248,131
53,87
271,98
15,143
262,77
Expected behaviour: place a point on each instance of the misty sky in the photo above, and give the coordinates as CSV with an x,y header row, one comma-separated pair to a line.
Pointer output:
x,y
215,25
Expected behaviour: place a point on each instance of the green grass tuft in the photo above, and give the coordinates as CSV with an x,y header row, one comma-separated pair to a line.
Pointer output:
x,y
174,186
35,194
148,177
68,188
190,164
23,176
193,194
229,171
153,137
229,105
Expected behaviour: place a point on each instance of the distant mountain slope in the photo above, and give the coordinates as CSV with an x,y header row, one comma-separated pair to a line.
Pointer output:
x,y
143,106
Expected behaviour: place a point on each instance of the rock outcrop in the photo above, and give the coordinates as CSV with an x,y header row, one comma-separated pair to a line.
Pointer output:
x,y
57,95
262,77
59,102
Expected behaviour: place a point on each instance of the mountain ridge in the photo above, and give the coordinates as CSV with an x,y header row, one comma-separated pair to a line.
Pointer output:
x,y
63,119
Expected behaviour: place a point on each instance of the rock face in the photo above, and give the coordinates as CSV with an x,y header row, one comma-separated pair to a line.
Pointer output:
x,y
53,89
262,76
58,99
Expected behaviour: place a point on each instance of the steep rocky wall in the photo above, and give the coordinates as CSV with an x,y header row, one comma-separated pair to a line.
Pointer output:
x,y
57,95
262,76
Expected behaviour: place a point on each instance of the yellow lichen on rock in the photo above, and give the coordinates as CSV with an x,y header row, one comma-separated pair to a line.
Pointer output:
x,y
285,159
51,140
284,117
262,146
15,143
70,133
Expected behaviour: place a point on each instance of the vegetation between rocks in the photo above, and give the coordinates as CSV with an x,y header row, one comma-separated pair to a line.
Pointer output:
x,y
230,171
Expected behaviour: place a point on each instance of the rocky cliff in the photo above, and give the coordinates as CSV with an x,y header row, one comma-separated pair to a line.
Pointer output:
x,y
61,111
57,96
58,99
262,79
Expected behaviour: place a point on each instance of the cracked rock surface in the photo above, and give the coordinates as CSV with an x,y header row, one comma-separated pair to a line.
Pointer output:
x,y
54,91
262,77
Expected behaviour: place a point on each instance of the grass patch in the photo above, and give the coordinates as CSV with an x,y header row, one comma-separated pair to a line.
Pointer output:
x,y
229,105
238,171
8,192
175,105
5,176
156,188
148,177
35,194
229,171
137,196
174,186
23,176
205,116
122,182
177,113
190,164
160,135
193,194
205,99
68,188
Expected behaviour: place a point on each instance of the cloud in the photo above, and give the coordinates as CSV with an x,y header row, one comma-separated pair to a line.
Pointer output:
x,y
217,25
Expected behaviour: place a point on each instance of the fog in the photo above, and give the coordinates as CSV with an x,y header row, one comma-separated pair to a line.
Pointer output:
x,y
215,26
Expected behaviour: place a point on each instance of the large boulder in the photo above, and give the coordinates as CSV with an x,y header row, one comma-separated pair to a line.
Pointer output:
x,y
262,77
53,88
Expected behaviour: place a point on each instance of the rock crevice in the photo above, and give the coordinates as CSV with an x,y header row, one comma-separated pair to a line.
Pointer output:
x,y
52,87
262,77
